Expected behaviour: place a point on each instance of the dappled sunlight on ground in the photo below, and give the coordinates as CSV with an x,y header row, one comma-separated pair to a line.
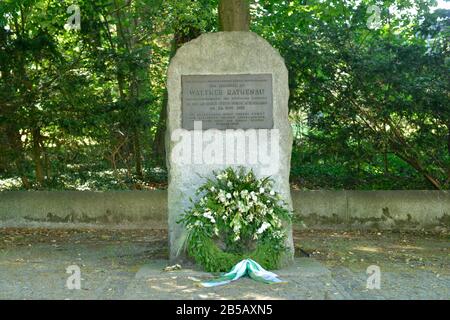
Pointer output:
x,y
406,247
367,249
402,251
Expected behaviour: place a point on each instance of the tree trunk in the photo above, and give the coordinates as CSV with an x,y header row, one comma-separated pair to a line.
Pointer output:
x,y
420,169
37,153
448,139
138,154
15,145
448,150
159,150
385,152
234,15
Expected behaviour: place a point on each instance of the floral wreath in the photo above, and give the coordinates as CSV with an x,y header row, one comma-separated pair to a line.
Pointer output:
x,y
237,216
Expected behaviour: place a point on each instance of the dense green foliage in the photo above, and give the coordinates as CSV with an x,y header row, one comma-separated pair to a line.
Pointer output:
x,y
85,109
236,216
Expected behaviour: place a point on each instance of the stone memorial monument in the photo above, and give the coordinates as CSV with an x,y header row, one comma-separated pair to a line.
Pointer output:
x,y
228,106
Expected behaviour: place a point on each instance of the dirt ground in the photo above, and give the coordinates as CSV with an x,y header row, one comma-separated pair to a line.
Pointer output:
x,y
394,251
127,264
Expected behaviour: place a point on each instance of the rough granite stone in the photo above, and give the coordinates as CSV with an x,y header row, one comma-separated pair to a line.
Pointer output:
x,y
224,53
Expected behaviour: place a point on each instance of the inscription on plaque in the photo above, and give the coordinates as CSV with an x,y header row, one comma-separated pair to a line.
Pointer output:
x,y
240,101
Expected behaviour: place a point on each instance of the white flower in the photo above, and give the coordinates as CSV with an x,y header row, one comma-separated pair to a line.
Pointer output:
x,y
228,195
272,193
221,196
242,207
208,215
212,189
278,234
261,190
229,184
198,223
222,176
263,227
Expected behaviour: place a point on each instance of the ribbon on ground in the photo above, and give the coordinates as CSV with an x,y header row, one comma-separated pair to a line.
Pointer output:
x,y
246,267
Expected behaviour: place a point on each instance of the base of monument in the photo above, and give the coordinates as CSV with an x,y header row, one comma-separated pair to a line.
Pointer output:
x,y
305,278
183,260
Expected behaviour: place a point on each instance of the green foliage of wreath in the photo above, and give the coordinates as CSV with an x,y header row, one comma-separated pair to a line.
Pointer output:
x,y
237,216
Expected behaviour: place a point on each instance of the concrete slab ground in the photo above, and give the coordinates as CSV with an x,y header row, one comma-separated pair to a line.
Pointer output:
x,y
128,264
306,279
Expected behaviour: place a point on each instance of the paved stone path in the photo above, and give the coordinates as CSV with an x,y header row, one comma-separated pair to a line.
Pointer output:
x,y
113,269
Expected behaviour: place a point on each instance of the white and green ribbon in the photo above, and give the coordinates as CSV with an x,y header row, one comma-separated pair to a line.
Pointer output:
x,y
246,267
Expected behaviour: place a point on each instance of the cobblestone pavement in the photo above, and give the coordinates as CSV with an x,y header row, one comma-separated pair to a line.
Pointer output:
x,y
127,264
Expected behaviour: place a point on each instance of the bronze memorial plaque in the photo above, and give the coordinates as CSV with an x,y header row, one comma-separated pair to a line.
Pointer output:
x,y
239,101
